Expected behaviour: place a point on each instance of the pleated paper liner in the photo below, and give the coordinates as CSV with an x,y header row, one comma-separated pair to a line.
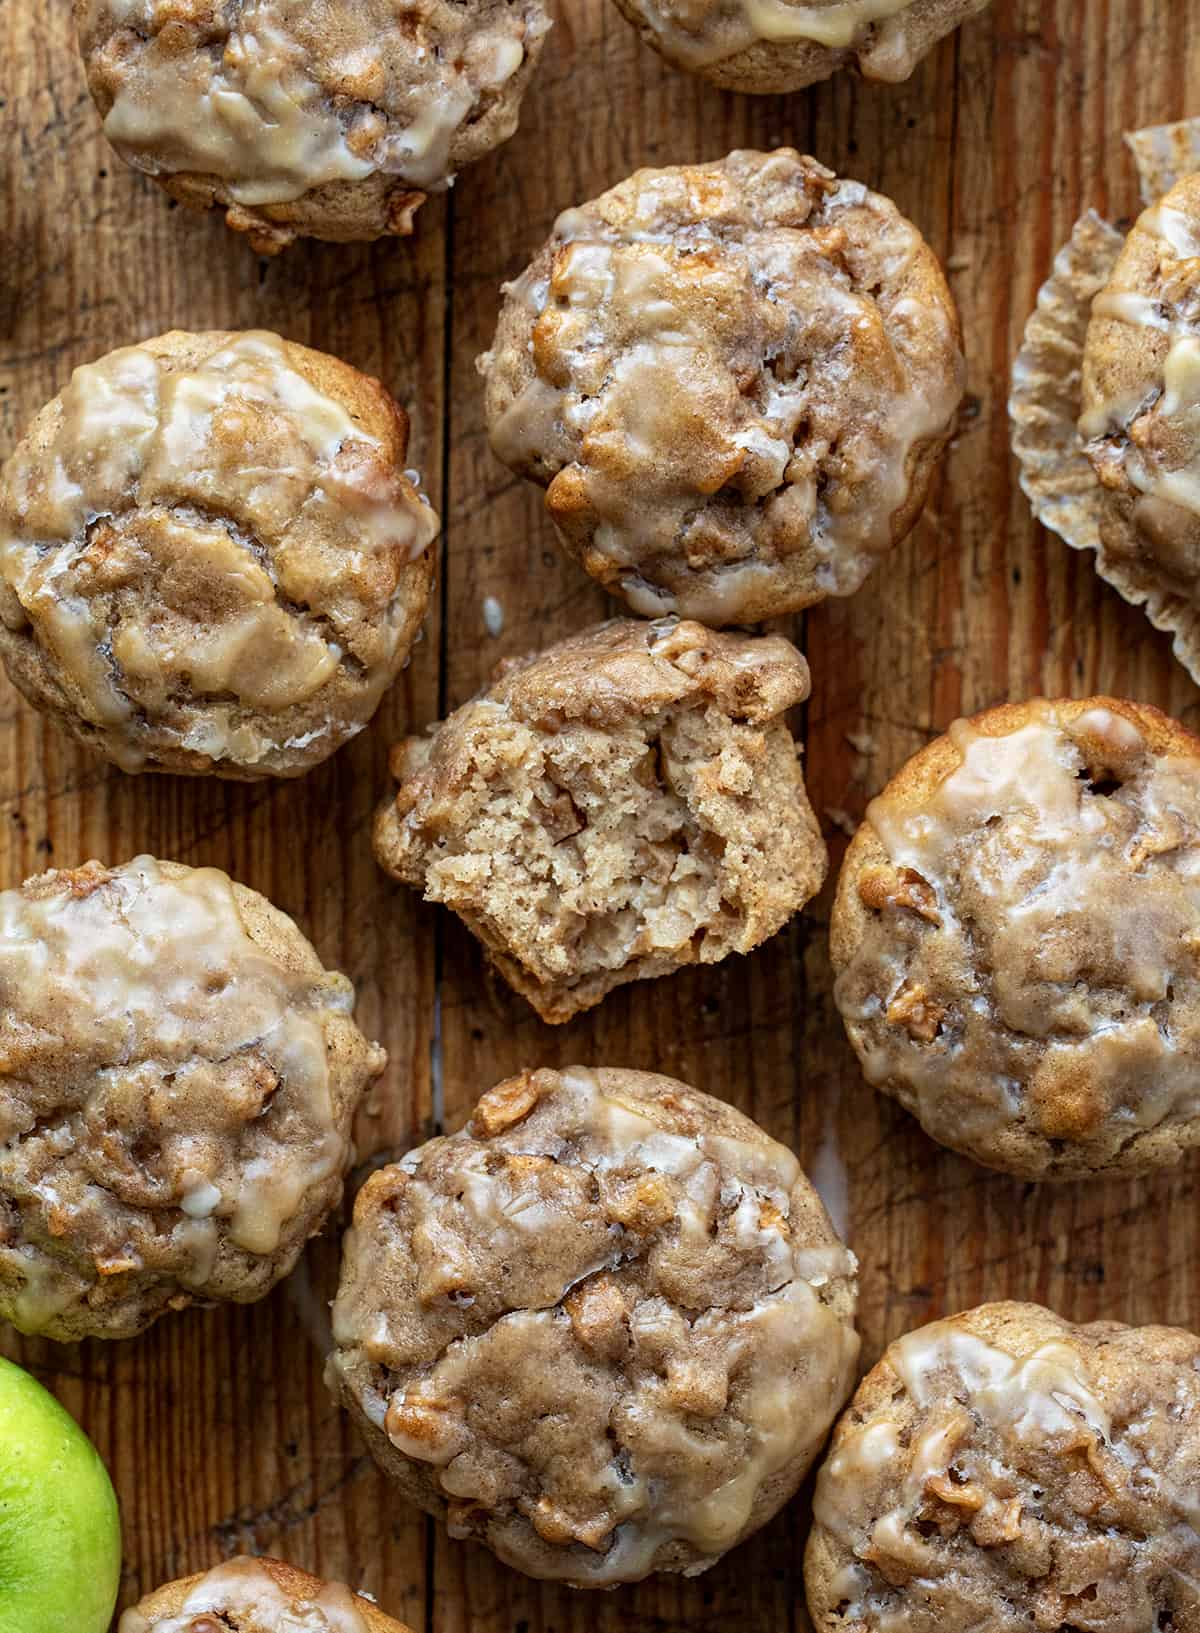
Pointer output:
x,y
1044,402
1164,153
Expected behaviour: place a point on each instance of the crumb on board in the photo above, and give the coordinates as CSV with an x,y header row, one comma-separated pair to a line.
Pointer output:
x,y
841,819
493,615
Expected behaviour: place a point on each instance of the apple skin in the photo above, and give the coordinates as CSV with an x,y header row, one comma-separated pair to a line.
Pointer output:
x,y
60,1532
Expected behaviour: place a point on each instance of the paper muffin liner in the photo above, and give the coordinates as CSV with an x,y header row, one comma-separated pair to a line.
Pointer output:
x,y
1044,404
1045,399
1164,153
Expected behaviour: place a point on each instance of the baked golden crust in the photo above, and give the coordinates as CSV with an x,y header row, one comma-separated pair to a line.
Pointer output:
x,y
744,46
178,1078
1141,388
1013,935
211,557
248,1596
331,122
624,803
734,381
1006,1469
603,1329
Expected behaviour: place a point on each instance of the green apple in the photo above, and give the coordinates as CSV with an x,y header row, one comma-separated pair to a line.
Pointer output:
x,y
60,1534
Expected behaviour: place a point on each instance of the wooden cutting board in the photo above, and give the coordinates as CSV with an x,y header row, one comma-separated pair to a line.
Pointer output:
x,y
216,1426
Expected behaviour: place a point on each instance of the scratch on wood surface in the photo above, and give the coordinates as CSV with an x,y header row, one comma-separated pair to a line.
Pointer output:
x,y
256,1529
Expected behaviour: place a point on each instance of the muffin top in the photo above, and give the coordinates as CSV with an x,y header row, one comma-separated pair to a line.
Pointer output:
x,y
177,1080
211,558
733,379
255,1596
626,802
1016,938
628,668
326,119
1141,415
603,1329
782,45
1006,1470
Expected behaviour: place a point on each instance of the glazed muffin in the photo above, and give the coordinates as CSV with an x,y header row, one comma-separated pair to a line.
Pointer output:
x,y
1009,1471
1016,933
329,121
178,1076
211,557
256,1596
733,380
782,45
1141,429
604,1329
623,804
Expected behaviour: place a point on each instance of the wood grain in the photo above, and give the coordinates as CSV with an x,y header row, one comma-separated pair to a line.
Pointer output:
x,y
216,1425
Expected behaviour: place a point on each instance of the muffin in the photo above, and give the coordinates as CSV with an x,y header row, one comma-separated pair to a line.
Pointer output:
x,y
329,121
1140,420
178,1076
782,45
1007,1470
255,1596
1016,933
733,380
211,558
604,1329
625,803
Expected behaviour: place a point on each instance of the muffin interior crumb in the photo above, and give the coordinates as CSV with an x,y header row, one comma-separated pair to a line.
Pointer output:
x,y
594,846
584,849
